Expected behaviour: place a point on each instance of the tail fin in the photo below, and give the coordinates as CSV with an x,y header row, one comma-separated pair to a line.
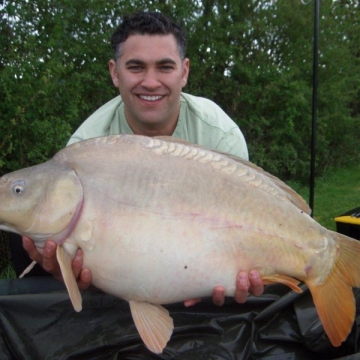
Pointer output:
x,y
334,299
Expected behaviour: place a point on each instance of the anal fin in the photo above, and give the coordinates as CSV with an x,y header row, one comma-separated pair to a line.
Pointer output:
x,y
282,279
153,323
69,279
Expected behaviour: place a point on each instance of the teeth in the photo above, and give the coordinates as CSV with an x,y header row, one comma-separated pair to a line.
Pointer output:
x,y
150,98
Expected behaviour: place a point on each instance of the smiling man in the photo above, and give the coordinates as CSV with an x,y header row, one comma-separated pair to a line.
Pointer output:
x,y
150,70
150,75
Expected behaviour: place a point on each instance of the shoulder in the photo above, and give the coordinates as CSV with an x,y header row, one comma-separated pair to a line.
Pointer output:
x,y
205,109
202,121
207,112
98,123
107,110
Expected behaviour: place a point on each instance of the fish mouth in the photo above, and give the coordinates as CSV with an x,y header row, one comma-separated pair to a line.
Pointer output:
x,y
39,239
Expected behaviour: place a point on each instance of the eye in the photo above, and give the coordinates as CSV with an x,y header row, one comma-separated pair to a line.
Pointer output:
x,y
19,187
135,68
167,68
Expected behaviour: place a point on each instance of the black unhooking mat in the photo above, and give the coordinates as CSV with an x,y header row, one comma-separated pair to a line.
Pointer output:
x,y
37,322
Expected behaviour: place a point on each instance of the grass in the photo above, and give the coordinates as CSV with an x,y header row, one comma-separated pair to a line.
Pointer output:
x,y
8,272
335,193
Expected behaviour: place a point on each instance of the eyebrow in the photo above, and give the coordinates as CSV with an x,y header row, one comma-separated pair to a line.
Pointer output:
x,y
160,62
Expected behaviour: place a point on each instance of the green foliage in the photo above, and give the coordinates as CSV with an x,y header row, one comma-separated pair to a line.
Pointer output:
x,y
337,192
253,57
262,77
52,75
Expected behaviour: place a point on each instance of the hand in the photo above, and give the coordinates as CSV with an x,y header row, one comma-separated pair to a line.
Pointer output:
x,y
49,262
244,284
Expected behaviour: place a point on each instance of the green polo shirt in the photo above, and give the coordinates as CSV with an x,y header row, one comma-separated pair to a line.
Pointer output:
x,y
200,121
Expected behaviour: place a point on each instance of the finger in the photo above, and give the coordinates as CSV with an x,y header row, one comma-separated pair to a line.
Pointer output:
x,y
85,279
242,287
77,263
50,263
256,284
31,249
192,302
218,296
83,276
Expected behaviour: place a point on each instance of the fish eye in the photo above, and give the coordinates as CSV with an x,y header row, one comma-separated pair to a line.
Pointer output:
x,y
19,187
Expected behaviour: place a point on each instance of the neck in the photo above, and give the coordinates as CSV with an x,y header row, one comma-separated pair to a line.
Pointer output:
x,y
164,128
154,132
158,129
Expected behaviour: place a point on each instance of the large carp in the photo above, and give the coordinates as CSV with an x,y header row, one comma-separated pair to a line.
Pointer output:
x,y
163,221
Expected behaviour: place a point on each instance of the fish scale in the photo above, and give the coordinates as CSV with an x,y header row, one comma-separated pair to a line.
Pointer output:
x,y
217,161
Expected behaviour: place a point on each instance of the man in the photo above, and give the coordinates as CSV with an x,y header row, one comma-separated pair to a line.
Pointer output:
x,y
150,70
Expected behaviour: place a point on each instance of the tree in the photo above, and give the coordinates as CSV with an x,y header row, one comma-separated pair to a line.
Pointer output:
x,y
253,57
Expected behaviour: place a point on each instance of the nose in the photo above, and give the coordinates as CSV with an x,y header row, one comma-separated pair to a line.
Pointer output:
x,y
151,80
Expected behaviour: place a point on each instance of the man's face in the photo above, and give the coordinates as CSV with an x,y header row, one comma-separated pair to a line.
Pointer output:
x,y
150,76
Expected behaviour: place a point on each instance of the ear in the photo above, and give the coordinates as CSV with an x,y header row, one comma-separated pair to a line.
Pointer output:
x,y
185,70
113,73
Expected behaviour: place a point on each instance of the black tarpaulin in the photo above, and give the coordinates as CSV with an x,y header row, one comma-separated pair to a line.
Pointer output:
x,y
37,321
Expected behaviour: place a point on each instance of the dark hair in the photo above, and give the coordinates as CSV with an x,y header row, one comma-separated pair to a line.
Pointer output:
x,y
147,23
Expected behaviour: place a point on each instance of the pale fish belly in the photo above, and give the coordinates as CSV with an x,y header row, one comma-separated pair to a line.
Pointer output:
x,y
161,258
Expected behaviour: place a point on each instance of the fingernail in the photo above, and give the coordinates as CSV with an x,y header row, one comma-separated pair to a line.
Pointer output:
x,y
48,249
253,274
218,295
49,246
77,258
242,276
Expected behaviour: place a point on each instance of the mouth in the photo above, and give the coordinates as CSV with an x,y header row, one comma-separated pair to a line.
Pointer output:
x,y
150,98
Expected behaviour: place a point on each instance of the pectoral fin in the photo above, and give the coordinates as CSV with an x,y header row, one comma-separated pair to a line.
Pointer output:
x,y
69,279
282,279
153,323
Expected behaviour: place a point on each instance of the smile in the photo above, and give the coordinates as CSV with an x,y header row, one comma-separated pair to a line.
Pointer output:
x,y
150,98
